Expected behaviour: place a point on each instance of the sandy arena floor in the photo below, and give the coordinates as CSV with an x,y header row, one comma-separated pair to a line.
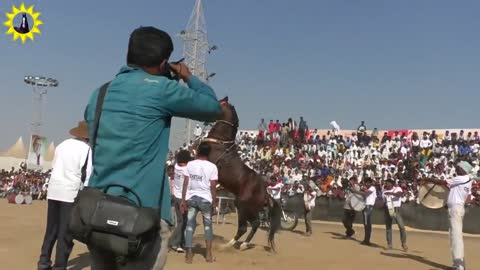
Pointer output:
x,y
22,228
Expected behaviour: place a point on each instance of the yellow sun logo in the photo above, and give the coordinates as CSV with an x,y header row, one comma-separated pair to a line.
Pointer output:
x,y
23,31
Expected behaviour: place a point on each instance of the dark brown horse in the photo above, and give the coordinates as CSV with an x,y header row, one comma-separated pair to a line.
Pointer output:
x,y
249,188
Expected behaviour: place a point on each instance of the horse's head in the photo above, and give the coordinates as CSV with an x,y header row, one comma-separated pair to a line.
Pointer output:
x,y
228,112
227,123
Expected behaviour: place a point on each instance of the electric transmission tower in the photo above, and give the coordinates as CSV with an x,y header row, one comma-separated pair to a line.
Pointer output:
x,y
195,50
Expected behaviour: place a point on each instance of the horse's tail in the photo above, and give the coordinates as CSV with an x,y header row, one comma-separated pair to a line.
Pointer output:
x,y
275,210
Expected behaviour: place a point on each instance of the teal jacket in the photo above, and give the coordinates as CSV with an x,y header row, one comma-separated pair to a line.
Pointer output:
x,y
132,140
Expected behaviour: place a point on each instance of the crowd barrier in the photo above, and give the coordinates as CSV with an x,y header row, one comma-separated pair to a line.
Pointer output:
x,y
414,215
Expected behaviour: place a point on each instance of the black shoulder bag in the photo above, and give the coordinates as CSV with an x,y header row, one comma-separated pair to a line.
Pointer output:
x,y
111,223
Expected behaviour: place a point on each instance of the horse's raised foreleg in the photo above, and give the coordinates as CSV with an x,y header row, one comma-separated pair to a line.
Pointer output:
x,y
255,225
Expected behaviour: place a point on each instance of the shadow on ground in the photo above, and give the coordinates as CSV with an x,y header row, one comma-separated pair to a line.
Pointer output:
x,y
416,258
339,236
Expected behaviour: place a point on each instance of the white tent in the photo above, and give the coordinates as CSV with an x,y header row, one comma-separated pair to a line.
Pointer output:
x,y
14,156
18,150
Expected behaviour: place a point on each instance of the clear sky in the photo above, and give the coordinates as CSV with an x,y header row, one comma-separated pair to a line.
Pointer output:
x,y
394,64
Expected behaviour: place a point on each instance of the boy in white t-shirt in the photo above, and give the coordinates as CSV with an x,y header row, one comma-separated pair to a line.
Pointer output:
x,y
177,239
199,195
392,196
370,195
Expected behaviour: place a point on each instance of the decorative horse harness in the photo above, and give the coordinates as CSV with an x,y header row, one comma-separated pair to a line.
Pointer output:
x,y
222,142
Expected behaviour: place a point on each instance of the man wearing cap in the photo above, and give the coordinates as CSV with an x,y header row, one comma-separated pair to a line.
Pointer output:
x,y
460,191
63,186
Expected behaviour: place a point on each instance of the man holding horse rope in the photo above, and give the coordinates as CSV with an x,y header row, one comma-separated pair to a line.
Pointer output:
x,y
460,192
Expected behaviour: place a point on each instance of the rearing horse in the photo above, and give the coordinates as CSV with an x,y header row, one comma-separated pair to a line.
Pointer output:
x,y
249,188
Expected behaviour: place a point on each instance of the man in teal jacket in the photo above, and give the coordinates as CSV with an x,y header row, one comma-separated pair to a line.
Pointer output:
x,y
132,140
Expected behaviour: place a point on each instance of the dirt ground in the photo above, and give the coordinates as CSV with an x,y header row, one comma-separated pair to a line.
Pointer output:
x,y
22,228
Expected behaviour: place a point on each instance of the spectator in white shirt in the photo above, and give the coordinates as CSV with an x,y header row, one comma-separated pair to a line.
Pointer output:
x,y
275,189
296,188
370,195
177,239
426,145
198,132
460,192
297,176
349,211
309,198
392,196
71,165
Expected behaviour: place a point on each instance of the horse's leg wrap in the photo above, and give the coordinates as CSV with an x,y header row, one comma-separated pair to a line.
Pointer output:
x,y
245,246
231,243
255,225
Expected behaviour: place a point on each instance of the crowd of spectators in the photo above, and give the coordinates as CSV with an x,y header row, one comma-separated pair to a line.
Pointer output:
x,y
293,154
24,181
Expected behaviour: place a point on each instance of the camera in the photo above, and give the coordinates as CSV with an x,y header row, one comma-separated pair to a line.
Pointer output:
x,y
171,74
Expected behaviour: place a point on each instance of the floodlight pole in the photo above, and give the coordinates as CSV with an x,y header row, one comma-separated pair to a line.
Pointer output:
x,y
40,86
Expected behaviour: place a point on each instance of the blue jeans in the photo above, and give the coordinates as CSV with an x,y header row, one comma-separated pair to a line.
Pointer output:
x,y
388,224
367,222
197,204
177,239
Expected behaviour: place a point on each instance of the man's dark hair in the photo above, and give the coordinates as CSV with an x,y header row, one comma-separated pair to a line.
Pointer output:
x,y
368,180
183,156
203,149
148,47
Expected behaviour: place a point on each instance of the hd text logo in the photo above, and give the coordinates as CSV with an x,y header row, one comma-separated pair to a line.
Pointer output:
x,y
23,23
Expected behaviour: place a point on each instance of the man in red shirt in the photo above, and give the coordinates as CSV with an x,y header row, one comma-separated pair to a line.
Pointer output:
x,y
271,127
278,126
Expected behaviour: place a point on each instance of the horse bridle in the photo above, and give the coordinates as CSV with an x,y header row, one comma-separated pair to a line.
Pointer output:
x,y
222,142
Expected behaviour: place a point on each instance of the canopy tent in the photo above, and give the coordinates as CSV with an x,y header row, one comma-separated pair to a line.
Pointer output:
x,y
18,150
17,154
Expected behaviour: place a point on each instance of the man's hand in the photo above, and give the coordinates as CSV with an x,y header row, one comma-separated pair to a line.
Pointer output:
x,y
181,70
214,206
183,207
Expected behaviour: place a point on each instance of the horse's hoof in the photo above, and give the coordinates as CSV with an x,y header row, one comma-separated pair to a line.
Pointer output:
x,y
245,246
228,245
